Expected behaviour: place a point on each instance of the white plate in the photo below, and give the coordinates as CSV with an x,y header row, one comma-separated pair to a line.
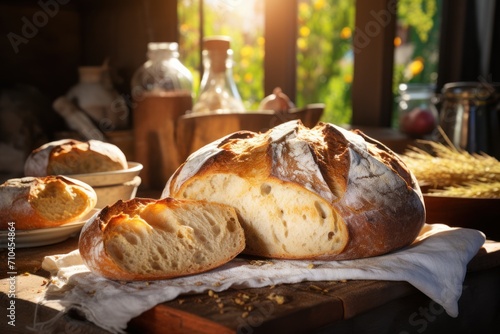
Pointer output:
x,y
110,178
44,236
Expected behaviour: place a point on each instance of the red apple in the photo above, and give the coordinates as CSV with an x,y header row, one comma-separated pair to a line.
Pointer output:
x,y
418,122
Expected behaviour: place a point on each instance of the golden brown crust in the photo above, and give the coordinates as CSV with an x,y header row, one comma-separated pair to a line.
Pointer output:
x,y
93,236
389,158
69,156
130,219
66,200
378,226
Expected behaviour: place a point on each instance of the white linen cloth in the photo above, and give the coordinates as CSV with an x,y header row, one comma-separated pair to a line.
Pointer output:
x,y
436,264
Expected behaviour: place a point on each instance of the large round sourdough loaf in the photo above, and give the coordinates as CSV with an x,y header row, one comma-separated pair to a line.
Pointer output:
x,y
41,202
69,156
147,239
323,193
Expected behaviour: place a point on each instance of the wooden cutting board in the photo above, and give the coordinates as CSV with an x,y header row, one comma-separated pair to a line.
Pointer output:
x,y
296,308
305,306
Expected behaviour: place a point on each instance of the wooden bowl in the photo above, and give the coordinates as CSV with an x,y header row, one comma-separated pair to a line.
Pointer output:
x,y
195,131
476,213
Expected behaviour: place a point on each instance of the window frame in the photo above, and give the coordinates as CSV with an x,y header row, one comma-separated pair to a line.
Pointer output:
x,y
372,97
372,91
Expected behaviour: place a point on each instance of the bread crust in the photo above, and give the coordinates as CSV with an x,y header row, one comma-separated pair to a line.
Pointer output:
x,y
68,200
119,219
363,181
69,156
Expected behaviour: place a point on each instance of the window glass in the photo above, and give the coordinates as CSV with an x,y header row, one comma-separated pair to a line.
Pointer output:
x,y
416,46
324,47
243,21
325,57
189,34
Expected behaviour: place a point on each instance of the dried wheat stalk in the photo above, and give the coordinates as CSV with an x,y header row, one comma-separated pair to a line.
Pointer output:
x,y
475,190
454,172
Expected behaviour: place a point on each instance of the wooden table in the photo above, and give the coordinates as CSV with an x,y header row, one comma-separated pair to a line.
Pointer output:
x,y
338,306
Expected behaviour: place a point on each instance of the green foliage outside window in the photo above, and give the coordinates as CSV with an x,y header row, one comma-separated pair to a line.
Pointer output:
x,y
419,23
324,47
421,20
238,20
325,63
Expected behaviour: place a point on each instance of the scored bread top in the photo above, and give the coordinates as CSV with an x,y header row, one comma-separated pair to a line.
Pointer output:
x,y
69,156
302,157
366,183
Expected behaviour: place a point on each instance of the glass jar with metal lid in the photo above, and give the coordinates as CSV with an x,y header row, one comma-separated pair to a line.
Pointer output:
x,y
470,114
417,110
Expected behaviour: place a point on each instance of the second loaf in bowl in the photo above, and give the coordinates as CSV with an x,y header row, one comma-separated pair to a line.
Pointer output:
x,y
69,156
101,165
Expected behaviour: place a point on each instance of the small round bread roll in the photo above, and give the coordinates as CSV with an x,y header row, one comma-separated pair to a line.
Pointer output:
x,y
69,156
148,239
41,202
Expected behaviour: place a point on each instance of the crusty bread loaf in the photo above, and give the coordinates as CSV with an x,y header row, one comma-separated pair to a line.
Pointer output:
x,y
147,239
324,193
69,156
41,202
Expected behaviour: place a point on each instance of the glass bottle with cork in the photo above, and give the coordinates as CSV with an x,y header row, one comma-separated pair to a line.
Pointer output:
x,y
218,90
162,91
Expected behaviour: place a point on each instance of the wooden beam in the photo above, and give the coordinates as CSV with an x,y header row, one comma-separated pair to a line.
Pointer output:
x,y
280,32
495,47
452,40
373,47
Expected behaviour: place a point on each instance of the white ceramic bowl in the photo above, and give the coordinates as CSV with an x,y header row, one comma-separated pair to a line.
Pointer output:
x,y
110,178
108,195
113,186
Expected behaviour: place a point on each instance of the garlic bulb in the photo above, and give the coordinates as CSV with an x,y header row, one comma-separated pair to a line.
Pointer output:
x,y
277,101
